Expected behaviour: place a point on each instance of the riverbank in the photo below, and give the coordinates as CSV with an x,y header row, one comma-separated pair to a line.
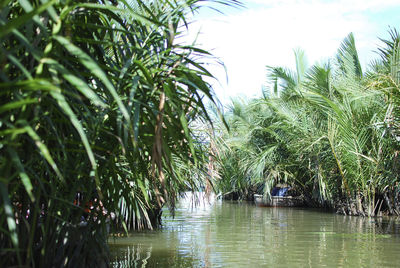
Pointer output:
x,y
384,206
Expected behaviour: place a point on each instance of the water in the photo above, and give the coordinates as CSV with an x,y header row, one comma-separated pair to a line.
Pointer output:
x,y
228,234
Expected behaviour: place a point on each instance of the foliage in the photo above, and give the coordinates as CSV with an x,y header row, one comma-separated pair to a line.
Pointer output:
x,y
330,131
97,99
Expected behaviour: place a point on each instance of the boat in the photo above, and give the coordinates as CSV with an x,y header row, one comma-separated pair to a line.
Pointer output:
x,y
278,201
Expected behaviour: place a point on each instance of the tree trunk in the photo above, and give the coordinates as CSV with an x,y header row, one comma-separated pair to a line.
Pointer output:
x,y
388,203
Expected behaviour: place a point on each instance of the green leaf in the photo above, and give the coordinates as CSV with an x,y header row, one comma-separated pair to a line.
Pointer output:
x,y
185,126
17,104
43,148
19,21
94,68
26,181
78,126
78,83
8,211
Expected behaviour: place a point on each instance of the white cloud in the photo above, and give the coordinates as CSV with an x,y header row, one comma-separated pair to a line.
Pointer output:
x,y
249,40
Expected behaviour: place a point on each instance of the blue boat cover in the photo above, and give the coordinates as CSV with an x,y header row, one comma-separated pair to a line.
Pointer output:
x,y
277,191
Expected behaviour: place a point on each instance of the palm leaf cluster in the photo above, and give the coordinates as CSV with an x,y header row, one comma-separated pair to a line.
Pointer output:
x,y
329,130
97,100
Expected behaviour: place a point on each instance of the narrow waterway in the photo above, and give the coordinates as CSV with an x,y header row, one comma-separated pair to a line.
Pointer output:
x,y
229,234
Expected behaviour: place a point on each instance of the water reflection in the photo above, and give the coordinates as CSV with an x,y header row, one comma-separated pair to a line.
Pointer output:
x,y
224,234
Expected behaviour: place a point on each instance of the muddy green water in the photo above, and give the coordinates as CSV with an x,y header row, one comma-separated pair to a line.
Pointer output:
x,y
227,234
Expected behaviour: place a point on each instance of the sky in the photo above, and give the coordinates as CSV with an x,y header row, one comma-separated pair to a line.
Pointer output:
x,y
265,32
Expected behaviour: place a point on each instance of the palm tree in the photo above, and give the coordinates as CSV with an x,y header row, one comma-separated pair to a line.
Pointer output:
x,y
323,130
96,104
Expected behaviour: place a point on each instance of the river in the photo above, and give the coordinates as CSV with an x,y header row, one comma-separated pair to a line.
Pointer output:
x,y
232,234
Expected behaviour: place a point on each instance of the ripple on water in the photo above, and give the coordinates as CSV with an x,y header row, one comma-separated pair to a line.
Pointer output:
x,y
226,234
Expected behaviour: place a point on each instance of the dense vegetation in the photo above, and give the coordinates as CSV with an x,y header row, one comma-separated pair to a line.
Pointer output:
x,y
97,99
99,105
329,130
